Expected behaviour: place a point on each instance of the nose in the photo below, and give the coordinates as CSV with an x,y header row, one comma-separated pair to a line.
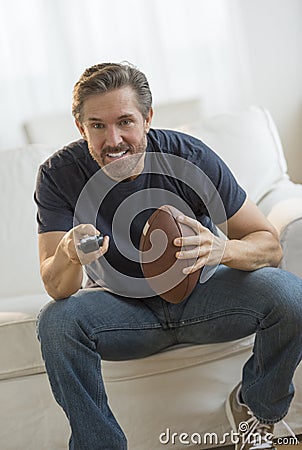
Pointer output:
x,y
113,136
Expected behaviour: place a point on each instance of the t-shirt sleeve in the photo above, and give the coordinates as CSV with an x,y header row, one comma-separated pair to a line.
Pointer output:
x,y
222,196
232,195
54,212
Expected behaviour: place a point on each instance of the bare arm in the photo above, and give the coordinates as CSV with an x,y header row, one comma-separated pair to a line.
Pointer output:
x,y
60,266
253,242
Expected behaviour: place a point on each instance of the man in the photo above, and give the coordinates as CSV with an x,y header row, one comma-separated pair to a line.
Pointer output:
x,y
81,189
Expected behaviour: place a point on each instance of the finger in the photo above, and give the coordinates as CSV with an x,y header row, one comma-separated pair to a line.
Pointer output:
x,y
193,223
194,240
105,246
196,252
194,267
87,258
84,231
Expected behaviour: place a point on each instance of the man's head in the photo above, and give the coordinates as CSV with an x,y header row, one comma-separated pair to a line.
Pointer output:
x,y
112,105
106,77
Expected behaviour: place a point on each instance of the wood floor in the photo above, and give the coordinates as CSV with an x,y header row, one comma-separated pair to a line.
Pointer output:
x,y
290,447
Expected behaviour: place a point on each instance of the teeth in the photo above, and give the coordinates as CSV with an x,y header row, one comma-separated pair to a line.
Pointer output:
x,y
116,155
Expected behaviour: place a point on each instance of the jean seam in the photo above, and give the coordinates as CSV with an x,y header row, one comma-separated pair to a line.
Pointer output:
x,y
261,365
191,321
118,327
99,391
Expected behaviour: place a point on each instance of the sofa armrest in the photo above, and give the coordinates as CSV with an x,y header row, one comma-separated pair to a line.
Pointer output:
x,y
283,208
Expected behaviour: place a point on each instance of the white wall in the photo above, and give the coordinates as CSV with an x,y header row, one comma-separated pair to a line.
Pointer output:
x,y
186,48
227,53
273,34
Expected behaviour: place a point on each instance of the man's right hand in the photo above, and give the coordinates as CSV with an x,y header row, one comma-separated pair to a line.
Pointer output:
x,y
61,261
73,237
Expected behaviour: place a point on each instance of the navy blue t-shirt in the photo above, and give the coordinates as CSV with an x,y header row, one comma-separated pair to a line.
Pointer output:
x,y
179,170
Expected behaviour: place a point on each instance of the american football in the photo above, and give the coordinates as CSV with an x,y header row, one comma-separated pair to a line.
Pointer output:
x,y
161,268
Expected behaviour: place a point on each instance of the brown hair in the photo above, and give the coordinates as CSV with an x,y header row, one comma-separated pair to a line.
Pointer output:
x,y
106,77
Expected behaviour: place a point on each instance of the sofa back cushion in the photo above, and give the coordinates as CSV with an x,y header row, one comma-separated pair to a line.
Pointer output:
x,y
18,229
57,129
249,143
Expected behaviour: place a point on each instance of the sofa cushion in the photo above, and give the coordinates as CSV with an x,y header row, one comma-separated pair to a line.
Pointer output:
x,y
18,229
249,143
174,358
57,129
20,355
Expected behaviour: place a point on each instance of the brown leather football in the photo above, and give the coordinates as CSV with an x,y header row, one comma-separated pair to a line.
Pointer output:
x,y
161,268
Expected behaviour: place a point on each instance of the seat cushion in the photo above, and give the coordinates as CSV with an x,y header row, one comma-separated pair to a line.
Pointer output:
x,y
20,355
175,358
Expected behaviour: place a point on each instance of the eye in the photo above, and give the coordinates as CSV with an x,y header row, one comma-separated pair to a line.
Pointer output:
x,y
97,126
126,122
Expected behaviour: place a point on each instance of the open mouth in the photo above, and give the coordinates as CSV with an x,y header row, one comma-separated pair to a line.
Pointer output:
x,y
118,155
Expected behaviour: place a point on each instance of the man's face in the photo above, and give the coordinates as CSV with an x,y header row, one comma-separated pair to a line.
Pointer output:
x,y
115,131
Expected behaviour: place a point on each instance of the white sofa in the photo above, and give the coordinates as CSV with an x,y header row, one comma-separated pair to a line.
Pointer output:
x,y
182,390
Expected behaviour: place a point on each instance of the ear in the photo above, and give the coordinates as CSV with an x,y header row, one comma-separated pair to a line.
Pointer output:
x,y
80,128
148,120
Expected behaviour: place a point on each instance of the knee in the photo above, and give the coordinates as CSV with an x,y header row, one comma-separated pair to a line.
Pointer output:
x,y
48,320
284,291
54,321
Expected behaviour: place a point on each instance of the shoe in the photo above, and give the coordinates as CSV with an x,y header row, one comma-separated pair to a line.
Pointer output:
x,y
248,432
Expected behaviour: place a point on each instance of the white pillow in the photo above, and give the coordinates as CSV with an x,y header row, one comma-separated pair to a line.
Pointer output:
x,y
249,143
57,129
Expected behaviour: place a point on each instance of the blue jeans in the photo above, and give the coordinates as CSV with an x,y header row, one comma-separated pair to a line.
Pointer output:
x,y
78,332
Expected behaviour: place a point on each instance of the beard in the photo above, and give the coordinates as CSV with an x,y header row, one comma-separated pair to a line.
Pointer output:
x,y
126,167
